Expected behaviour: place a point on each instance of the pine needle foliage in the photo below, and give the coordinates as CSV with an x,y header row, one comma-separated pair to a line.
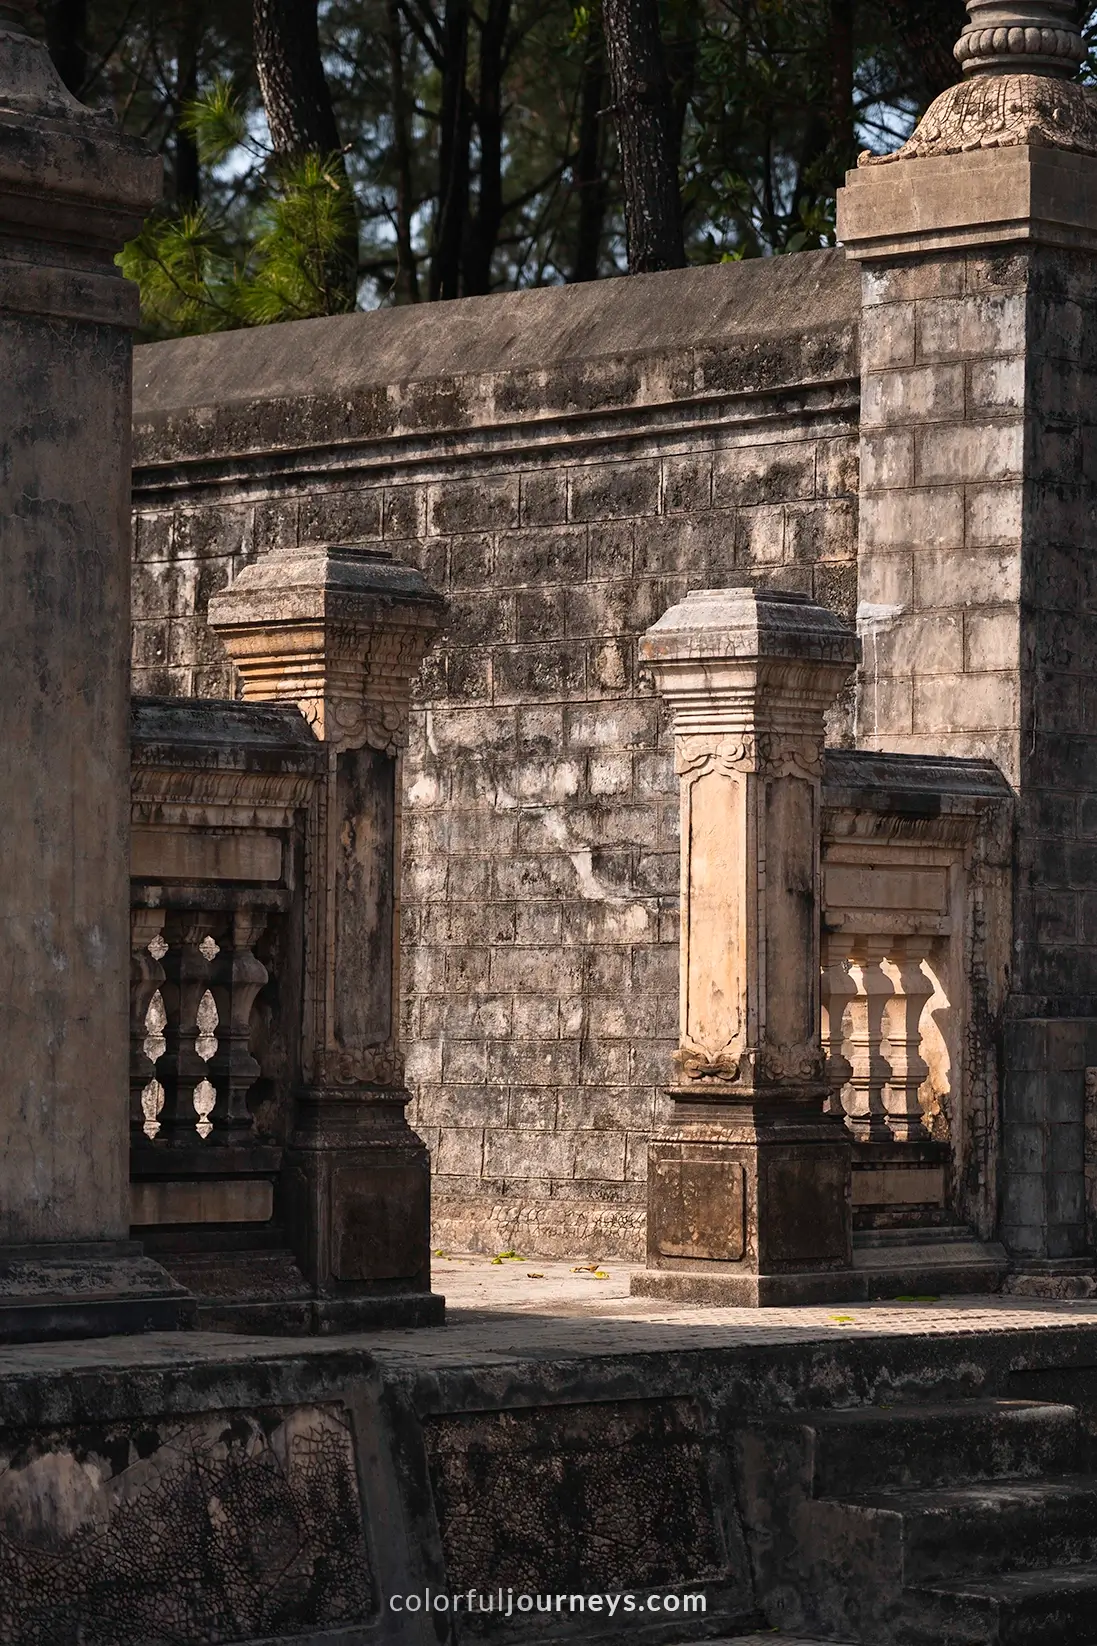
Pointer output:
x,y
188,266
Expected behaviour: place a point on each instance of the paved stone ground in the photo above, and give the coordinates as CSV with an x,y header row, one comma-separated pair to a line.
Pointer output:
x,y
541,1309
503,1306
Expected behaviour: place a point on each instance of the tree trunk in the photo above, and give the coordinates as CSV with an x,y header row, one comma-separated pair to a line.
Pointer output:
x,y
291,78
453,154
483,232
843,134
590,163
66,40
927,30
301,119
187,176
406,284
644,115
681,44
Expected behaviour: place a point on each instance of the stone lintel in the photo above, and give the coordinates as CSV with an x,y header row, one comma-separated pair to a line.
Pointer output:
x,y
1026,194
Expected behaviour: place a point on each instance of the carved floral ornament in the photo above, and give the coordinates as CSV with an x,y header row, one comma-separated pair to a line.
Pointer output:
x,y
1020,61
369,1065
350,723
754,1067
772,754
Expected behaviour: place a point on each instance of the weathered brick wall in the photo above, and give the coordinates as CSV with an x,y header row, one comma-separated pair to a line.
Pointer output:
x,y
979,483
563,465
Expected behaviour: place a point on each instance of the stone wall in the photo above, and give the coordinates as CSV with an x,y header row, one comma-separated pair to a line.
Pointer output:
x,y
978,487
564,465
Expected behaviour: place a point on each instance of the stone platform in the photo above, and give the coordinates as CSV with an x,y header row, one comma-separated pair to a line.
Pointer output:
x,y
557,1438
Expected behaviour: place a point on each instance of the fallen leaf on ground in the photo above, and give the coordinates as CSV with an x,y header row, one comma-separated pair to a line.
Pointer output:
x,y
534,1276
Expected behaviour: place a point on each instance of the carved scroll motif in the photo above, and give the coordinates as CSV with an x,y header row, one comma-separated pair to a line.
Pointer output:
x,y
771,754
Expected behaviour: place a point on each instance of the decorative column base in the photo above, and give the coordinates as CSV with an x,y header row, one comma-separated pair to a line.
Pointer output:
x,y
95,1288
357,1187
748,1203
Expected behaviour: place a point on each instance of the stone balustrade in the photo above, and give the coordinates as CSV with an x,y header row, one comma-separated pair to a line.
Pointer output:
x,y
916,910
266,1075
221,795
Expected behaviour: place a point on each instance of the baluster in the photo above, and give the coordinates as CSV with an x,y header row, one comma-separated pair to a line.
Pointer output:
x,y
837,989
146,976
191,947
238,976
904,1035
866,1115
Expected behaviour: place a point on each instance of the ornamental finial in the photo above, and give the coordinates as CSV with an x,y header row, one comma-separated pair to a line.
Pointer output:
x,y
1020,88
1042,37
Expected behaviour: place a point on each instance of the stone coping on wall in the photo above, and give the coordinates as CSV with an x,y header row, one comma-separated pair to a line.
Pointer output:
x,y
926,785
104,1378
221,732
576,351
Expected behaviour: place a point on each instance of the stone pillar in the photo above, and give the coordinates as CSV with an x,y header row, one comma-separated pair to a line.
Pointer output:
x,y
341,632
71,191
749,1179
976,569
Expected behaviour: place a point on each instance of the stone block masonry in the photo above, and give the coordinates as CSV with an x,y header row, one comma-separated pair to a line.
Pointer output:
x,y
979,364
563,465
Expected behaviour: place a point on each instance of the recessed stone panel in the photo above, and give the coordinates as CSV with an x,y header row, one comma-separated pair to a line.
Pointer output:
x,y
194,1531
377,1218
698,1206
605,1497
806,1197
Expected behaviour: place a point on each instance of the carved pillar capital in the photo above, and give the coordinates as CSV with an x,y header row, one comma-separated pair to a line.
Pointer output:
x,y
1025,37
1020,64
339,631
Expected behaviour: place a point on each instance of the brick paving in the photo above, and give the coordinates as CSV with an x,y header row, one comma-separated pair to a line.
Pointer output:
x,y
542,1309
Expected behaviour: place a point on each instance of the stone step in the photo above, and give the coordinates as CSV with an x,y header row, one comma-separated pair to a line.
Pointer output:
x,y
1052,1606
261,1291
946,1260
966,1531
880,1447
